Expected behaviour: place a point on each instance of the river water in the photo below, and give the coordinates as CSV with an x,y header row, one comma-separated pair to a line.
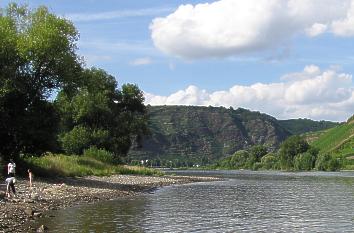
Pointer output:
x,y
244,202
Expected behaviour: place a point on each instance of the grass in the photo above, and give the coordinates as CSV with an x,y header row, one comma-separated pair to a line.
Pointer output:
x,y
338,141
334,138
53,165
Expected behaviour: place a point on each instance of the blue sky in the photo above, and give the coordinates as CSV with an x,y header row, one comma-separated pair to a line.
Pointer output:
x,y
286,58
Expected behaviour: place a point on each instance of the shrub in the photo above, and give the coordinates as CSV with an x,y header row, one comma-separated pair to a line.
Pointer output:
x,y
239,159
327,162
81,138
258,151
75,141
256,166
101,155
304,161
269,161
54,165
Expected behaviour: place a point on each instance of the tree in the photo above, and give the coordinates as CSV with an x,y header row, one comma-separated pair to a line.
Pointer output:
x,y
304,161
258,151
37,56
269,161
291,147
327,162
109,118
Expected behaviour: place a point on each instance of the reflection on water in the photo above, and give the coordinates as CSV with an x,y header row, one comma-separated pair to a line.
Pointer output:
x,y
245,202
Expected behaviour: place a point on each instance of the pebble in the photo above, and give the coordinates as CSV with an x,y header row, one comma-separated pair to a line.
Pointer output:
x,y
18,212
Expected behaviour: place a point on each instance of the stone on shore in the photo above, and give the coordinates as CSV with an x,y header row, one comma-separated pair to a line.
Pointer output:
x,y
64,192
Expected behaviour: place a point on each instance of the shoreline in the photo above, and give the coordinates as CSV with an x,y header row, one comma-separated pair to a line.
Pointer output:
x,y
18,214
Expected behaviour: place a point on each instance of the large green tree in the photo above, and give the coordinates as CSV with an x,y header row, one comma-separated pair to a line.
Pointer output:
x,y
37,57
290,148
101,115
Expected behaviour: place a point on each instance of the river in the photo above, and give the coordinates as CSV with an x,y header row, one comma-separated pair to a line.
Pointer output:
x,y
245,201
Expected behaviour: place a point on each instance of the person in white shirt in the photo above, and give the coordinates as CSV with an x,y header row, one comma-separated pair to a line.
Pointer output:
x,y
11,168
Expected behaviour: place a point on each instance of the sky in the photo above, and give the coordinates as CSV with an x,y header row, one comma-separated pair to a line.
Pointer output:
x,y
286,58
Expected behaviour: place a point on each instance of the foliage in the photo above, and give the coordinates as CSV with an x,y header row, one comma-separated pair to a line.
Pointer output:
x,y
269,161
327,162
291,147
334,138
101,155
245,159
301,126
75,141
236,161
37,56
304,161
339,142
98,114
37,59
202,135
258,151
53,165
296,153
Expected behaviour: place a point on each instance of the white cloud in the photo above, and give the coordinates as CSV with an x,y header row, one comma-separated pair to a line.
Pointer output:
x,y
229,27
345,26
85,17
141,61
316,29
308,72
313,94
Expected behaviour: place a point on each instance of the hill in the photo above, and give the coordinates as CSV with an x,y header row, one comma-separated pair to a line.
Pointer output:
x,y
339,141
301,126
199,135
187,135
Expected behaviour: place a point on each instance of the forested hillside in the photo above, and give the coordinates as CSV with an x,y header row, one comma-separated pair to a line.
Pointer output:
x,y
203,134
188,135
300,126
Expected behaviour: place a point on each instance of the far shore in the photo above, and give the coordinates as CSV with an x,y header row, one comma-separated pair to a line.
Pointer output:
x,y
19,214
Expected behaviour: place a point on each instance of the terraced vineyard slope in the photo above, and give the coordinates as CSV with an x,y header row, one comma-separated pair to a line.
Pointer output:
x,y
339,141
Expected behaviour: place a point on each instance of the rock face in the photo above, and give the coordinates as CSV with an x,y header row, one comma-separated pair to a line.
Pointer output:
x,y
205,134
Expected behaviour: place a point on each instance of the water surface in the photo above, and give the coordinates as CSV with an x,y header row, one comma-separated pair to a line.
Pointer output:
x,y
244,202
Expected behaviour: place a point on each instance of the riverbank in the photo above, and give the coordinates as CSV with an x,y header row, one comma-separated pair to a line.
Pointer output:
x,y
17,213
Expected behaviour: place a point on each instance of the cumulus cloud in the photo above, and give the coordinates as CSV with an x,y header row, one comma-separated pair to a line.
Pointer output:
x,y
229,27
312,93
345,26
316,29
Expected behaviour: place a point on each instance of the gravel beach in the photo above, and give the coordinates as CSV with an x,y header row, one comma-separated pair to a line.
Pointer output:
x,y
17,213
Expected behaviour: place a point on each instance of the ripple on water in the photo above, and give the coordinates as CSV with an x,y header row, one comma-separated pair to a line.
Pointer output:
x,y
246,202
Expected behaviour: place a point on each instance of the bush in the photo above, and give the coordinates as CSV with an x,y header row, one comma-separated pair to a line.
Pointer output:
x,y
304,161
54,165
239,159
81,138
269,161
101,155
256,166
327,162
75,141
258,151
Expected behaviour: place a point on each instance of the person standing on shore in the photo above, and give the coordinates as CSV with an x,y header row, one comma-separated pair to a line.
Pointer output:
x,y
30,177
10,183
11,168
